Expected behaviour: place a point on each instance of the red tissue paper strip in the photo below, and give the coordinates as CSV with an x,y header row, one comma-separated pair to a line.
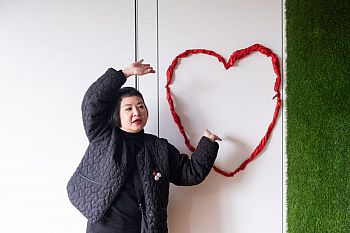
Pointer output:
x,y
233,58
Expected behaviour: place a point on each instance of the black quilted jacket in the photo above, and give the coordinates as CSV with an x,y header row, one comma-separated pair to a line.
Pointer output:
x,y
102,171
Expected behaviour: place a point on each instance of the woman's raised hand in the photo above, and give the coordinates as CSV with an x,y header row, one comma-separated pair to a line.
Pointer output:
x,y
138,68
211,136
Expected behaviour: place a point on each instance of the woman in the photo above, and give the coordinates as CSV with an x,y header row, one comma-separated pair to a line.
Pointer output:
x,y
122,182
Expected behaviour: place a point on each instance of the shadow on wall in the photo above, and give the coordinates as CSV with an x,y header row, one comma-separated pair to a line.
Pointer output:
x,y
205,207
233,150
198,208
201,208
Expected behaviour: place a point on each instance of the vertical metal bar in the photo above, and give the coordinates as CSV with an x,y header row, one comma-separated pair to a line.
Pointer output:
x,y
136,12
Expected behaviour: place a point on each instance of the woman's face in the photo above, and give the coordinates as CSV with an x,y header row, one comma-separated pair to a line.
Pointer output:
x,y
133,114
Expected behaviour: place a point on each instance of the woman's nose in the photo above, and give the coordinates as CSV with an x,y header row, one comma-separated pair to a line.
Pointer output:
x,y
136,112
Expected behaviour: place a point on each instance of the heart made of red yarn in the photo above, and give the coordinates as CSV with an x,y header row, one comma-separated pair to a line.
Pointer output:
x,y
235,56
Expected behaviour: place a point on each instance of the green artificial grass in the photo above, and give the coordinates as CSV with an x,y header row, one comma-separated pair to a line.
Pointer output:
x,y
318,116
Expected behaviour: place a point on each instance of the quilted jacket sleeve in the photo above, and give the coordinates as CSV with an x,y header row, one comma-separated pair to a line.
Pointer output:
x,y
99,101
191,171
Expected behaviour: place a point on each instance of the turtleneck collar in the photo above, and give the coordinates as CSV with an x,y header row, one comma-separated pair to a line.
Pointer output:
x,y
129,135
136,139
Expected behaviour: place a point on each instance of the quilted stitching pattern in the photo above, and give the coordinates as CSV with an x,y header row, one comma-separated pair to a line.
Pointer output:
x,y
102,170
97,179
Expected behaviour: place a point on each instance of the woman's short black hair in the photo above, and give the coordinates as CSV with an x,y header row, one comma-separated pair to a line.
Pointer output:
x,y
122,93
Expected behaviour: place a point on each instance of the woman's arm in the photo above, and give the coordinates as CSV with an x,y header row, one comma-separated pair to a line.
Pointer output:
x,y
99,100
191,171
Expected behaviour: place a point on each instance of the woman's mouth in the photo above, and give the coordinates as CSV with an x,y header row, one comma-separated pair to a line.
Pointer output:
x,y
137,121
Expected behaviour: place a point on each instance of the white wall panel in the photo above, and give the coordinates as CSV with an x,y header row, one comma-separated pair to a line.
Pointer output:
x,y
236,104
51,51
147,50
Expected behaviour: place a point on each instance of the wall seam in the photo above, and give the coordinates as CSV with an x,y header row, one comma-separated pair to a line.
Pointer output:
x,y
136,29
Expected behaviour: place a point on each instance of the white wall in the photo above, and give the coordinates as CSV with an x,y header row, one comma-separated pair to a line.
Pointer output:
x,y
51,51
237,104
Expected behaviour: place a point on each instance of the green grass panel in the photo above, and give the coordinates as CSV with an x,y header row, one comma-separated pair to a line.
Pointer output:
x,y
318,116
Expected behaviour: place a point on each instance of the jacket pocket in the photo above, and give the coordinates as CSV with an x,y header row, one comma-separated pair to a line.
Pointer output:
x,y
90,180
85,194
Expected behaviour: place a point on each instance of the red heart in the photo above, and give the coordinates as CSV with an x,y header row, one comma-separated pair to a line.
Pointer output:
x,y
235,56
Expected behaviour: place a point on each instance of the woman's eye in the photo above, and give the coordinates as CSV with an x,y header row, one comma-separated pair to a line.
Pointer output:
x,y
128,109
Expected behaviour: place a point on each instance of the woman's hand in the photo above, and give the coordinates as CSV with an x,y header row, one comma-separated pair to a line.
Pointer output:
x,y
137,68
211,136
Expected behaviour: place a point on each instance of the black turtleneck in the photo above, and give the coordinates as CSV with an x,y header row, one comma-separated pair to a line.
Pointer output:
x,y
124,214
135,139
